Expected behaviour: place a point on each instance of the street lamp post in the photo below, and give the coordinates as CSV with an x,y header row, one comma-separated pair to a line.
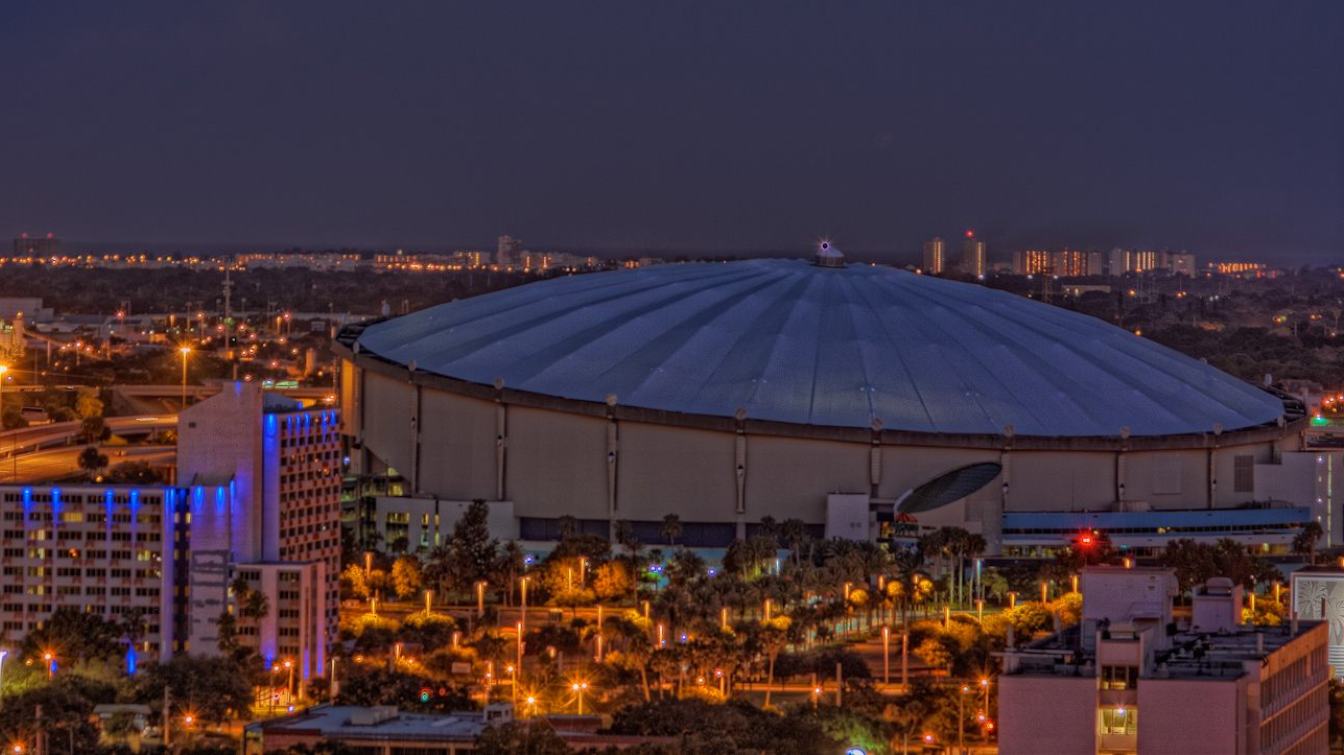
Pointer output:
x,y
480,599
289,685
886,654
578,688
185,351
984,686
3,653
522,581
961,717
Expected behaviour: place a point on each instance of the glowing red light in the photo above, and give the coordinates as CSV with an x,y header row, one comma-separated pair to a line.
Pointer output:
x,y
970,233
1085,539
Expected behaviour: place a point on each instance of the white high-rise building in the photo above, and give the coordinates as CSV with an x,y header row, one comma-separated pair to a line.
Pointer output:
x,y
935,258
974,260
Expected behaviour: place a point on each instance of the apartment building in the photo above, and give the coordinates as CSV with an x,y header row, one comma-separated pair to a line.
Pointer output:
x,y
1131,678
281,462
111,550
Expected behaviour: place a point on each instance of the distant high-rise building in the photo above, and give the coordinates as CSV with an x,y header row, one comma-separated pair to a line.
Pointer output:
x,y
973,258
1181,263
1096,263
26,245
1031,262
507,249
935,259
1069,263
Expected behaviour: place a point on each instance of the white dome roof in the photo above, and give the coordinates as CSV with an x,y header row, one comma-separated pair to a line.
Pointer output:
x,y
795,342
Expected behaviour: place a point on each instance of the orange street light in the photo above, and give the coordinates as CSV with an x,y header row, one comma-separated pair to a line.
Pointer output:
x,y
185,351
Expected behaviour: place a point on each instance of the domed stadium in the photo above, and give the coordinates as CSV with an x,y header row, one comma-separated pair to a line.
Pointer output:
x,y
852,397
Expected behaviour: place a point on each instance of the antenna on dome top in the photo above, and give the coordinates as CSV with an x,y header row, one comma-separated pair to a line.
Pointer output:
x,y
827,255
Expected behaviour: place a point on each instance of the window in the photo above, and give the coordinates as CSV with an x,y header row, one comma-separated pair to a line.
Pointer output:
x,y
1243,477
1119,677
1119,720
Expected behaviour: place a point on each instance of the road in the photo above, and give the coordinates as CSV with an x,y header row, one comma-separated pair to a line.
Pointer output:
x,y
56,464
63,433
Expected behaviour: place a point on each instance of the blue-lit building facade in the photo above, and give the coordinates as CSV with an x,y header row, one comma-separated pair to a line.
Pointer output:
x,y
279,463
110,550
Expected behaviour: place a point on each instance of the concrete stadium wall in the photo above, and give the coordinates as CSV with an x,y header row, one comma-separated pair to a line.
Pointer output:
x,y
556,461
457,446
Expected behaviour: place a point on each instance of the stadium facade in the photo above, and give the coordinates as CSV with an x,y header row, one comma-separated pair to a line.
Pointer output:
x,y
853,397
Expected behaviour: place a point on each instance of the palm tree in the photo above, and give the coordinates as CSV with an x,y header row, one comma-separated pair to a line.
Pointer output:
x,y
626,537
973,545
910,584
671,528
1304,543
507,567
771,641
794,534
569,527
438,571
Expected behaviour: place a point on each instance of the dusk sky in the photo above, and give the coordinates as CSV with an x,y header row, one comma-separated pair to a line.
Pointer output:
x,y
701,126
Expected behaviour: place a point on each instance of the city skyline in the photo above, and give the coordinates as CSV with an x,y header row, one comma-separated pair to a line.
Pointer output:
x,y
1204,127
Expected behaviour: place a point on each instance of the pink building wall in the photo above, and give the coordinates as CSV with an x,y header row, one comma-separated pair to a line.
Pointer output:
x,y
1192,717
1056,715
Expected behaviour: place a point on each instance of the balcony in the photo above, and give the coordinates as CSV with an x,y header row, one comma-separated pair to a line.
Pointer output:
x,y
1118,743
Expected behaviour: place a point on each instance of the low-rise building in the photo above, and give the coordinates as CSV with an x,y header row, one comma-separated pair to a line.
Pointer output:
x,y
384,730
1130,678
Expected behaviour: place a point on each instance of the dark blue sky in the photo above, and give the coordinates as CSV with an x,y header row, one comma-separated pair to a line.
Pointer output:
x,y
1217,127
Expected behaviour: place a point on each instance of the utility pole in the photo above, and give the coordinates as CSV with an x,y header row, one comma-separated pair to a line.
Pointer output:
x,y
167,718
905,660
228,320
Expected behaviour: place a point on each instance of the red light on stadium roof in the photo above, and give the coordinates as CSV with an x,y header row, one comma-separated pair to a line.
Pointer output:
x,y
970,233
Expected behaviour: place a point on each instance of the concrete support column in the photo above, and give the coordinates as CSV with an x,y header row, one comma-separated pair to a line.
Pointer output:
x,y
875,459
992,525
613,464
1211,473
740,461
501,438
415,438
1120,464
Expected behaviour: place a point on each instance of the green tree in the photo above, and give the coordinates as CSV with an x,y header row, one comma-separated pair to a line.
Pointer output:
x,y
74,637
91,461
626,538
217,689
1305,542
472,551
406,577
613,581
671,529
354,581
89,409
67,707
521,738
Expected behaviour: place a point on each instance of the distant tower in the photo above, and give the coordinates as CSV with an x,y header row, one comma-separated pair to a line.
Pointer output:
x,y
26,245
973,258
935,260
506,249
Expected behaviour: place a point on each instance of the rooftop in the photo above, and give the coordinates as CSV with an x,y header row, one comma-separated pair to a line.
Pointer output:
x,y
357,722
795,342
